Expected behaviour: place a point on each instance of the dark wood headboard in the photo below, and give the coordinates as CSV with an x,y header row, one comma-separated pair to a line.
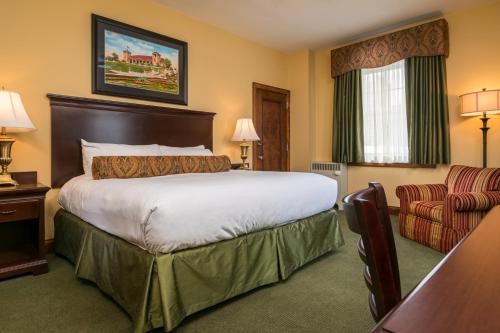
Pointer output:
x,y
75,118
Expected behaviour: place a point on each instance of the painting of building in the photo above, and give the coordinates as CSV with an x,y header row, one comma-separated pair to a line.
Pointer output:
x,y
154,59
142,64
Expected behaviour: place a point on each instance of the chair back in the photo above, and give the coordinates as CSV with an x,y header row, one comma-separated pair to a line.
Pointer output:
x,y
367,215
463,178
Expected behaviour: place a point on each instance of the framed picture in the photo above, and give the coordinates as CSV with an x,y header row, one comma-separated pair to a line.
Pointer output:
x,y
131,62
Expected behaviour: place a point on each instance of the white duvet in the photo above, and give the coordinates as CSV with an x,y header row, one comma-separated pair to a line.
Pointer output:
x,y
169,213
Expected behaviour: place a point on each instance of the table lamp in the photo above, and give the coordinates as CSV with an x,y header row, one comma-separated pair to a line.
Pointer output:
x,y
13,118
244,133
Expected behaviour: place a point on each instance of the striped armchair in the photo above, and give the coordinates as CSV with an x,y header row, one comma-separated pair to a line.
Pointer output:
x,y
440,215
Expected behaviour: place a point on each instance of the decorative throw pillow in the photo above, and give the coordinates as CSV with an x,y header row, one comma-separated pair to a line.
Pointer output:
x,y
104,167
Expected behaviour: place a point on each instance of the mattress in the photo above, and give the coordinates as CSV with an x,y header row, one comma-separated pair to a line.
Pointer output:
x,y
176,212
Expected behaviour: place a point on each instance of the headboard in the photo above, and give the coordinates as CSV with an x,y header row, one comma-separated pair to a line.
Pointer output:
x,y
75,118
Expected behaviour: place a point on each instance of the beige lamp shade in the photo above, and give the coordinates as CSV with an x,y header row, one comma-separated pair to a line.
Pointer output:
x,y
479,103
245,131
13,116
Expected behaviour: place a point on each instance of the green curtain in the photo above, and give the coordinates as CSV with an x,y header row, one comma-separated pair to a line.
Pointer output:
x,y
427,110
348,119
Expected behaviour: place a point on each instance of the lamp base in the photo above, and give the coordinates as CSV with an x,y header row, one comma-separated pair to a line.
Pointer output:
x,y
5,158
6,180
244,155
485,129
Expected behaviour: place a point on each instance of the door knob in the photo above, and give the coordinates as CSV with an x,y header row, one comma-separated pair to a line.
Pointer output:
x,y
259,143
260,157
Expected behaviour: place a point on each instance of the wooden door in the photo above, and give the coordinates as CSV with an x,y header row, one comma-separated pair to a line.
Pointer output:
x,y
271,117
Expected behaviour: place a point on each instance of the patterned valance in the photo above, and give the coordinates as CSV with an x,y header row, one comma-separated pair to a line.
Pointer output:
x,y
428,39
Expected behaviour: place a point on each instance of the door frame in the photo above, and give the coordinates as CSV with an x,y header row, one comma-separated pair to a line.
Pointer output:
x,y
259,86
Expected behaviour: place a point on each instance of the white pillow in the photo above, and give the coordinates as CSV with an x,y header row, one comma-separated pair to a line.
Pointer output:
x,y
195,147
186,151
91,149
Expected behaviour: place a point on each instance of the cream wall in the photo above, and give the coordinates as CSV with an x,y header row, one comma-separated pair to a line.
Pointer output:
x,y
49,51
300,67
473,64
46,49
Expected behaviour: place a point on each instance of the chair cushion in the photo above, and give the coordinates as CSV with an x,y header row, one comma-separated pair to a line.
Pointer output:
x,y
469,179
430,210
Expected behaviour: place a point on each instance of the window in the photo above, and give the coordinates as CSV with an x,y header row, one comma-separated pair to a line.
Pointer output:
x,y
384,114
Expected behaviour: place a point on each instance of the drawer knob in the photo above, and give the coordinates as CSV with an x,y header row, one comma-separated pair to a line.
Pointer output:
x,y
7,212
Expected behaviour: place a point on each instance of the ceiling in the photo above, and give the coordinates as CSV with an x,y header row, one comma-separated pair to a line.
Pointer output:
x,y
291,25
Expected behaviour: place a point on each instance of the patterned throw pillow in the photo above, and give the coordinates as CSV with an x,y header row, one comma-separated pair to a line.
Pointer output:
x,y
104,167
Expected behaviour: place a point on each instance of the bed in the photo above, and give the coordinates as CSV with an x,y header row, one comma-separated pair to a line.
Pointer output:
x,y
166,247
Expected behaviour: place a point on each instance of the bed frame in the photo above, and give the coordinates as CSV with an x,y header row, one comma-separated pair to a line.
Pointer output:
x,y
75,118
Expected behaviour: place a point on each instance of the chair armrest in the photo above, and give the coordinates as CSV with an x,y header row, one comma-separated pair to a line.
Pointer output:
x,y
473,201
425,192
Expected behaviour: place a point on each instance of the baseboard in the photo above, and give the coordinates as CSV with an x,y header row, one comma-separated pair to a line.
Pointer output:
x,y
393,210
49,246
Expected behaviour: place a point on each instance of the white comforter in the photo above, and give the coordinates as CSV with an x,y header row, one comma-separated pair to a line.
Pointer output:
x,y
164,214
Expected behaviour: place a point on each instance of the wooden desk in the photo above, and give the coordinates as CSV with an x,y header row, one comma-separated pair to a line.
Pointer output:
x,y
461,294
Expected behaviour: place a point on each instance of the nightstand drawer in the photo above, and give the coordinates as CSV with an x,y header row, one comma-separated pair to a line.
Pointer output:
x,y
18,210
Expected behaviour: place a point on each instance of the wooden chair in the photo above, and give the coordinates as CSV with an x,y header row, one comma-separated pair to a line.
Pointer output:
x,y
367,215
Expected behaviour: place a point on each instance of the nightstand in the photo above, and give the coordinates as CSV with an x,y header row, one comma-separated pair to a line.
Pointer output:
x,y
22,226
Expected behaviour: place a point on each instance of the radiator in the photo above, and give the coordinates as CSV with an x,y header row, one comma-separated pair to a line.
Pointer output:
x,y
337,171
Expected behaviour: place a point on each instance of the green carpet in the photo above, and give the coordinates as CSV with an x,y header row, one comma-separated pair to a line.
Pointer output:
x,y
328,295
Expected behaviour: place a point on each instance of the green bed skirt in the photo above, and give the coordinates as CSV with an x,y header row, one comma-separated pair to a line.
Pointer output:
x,y
160,290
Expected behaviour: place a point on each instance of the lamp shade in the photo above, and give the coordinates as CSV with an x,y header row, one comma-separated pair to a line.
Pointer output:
x,y
245,131
13,116
481,102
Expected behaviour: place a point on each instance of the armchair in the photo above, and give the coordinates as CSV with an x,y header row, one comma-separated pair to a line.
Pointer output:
x,y
440,215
